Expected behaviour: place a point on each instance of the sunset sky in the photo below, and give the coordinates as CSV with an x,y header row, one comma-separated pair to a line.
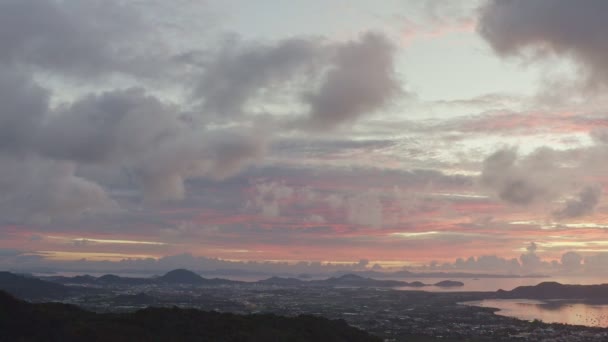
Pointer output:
x,y
393,132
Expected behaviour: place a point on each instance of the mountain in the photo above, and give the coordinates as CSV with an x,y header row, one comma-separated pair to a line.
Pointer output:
x,y
186,277
353,280
31,288
448,274
26,322
178,276
77,280
554,290
181,276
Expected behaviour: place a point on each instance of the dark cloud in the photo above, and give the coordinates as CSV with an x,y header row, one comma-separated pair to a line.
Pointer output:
x,y
67,141
525,180
35,190
562,27
339,81
362,80
23,104
583,205
117,125
544,177
512,184
241,71
71,36
215,155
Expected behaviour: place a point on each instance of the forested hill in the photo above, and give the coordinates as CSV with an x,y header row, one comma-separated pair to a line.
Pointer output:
x,y
23,321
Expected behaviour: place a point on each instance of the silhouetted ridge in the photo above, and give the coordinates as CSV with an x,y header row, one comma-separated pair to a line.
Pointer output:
x,y
351,277
554,290
181,276
31,288
21,321
449,283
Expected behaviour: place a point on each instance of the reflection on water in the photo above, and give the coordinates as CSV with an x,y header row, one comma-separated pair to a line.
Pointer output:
x,y
549,311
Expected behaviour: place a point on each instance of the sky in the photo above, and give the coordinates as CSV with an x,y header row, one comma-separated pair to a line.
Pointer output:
x,y
304,135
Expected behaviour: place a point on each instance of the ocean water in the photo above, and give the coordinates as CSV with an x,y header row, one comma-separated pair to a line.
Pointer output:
x,y
549,311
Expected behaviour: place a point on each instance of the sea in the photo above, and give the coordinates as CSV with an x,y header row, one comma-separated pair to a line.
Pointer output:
x,y
553,311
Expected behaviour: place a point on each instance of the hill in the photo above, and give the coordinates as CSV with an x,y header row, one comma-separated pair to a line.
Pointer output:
x,y
449,283
181,276
22,321
31,288
355,281
174,277
554,290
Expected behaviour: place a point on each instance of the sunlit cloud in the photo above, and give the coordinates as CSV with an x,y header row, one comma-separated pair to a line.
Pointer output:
x,y
84,240
91,256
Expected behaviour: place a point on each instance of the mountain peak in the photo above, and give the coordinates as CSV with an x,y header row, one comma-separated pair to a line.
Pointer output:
x,y
181,276
350,276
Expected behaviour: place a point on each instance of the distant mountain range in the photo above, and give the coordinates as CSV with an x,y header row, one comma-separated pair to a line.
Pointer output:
x,y
369,274
22,321
409,274
32,288
58,287
178,276
354,280
47,288
186,277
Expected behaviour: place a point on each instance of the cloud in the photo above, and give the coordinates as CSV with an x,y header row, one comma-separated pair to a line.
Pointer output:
x,y
532,247
112,126
365,209
270,197
70,36
544,177
23,105
361,81
35,190
521,181
215,155
585,204
530,261
561,27
487,263
571,260
339,82
241,71
9,252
